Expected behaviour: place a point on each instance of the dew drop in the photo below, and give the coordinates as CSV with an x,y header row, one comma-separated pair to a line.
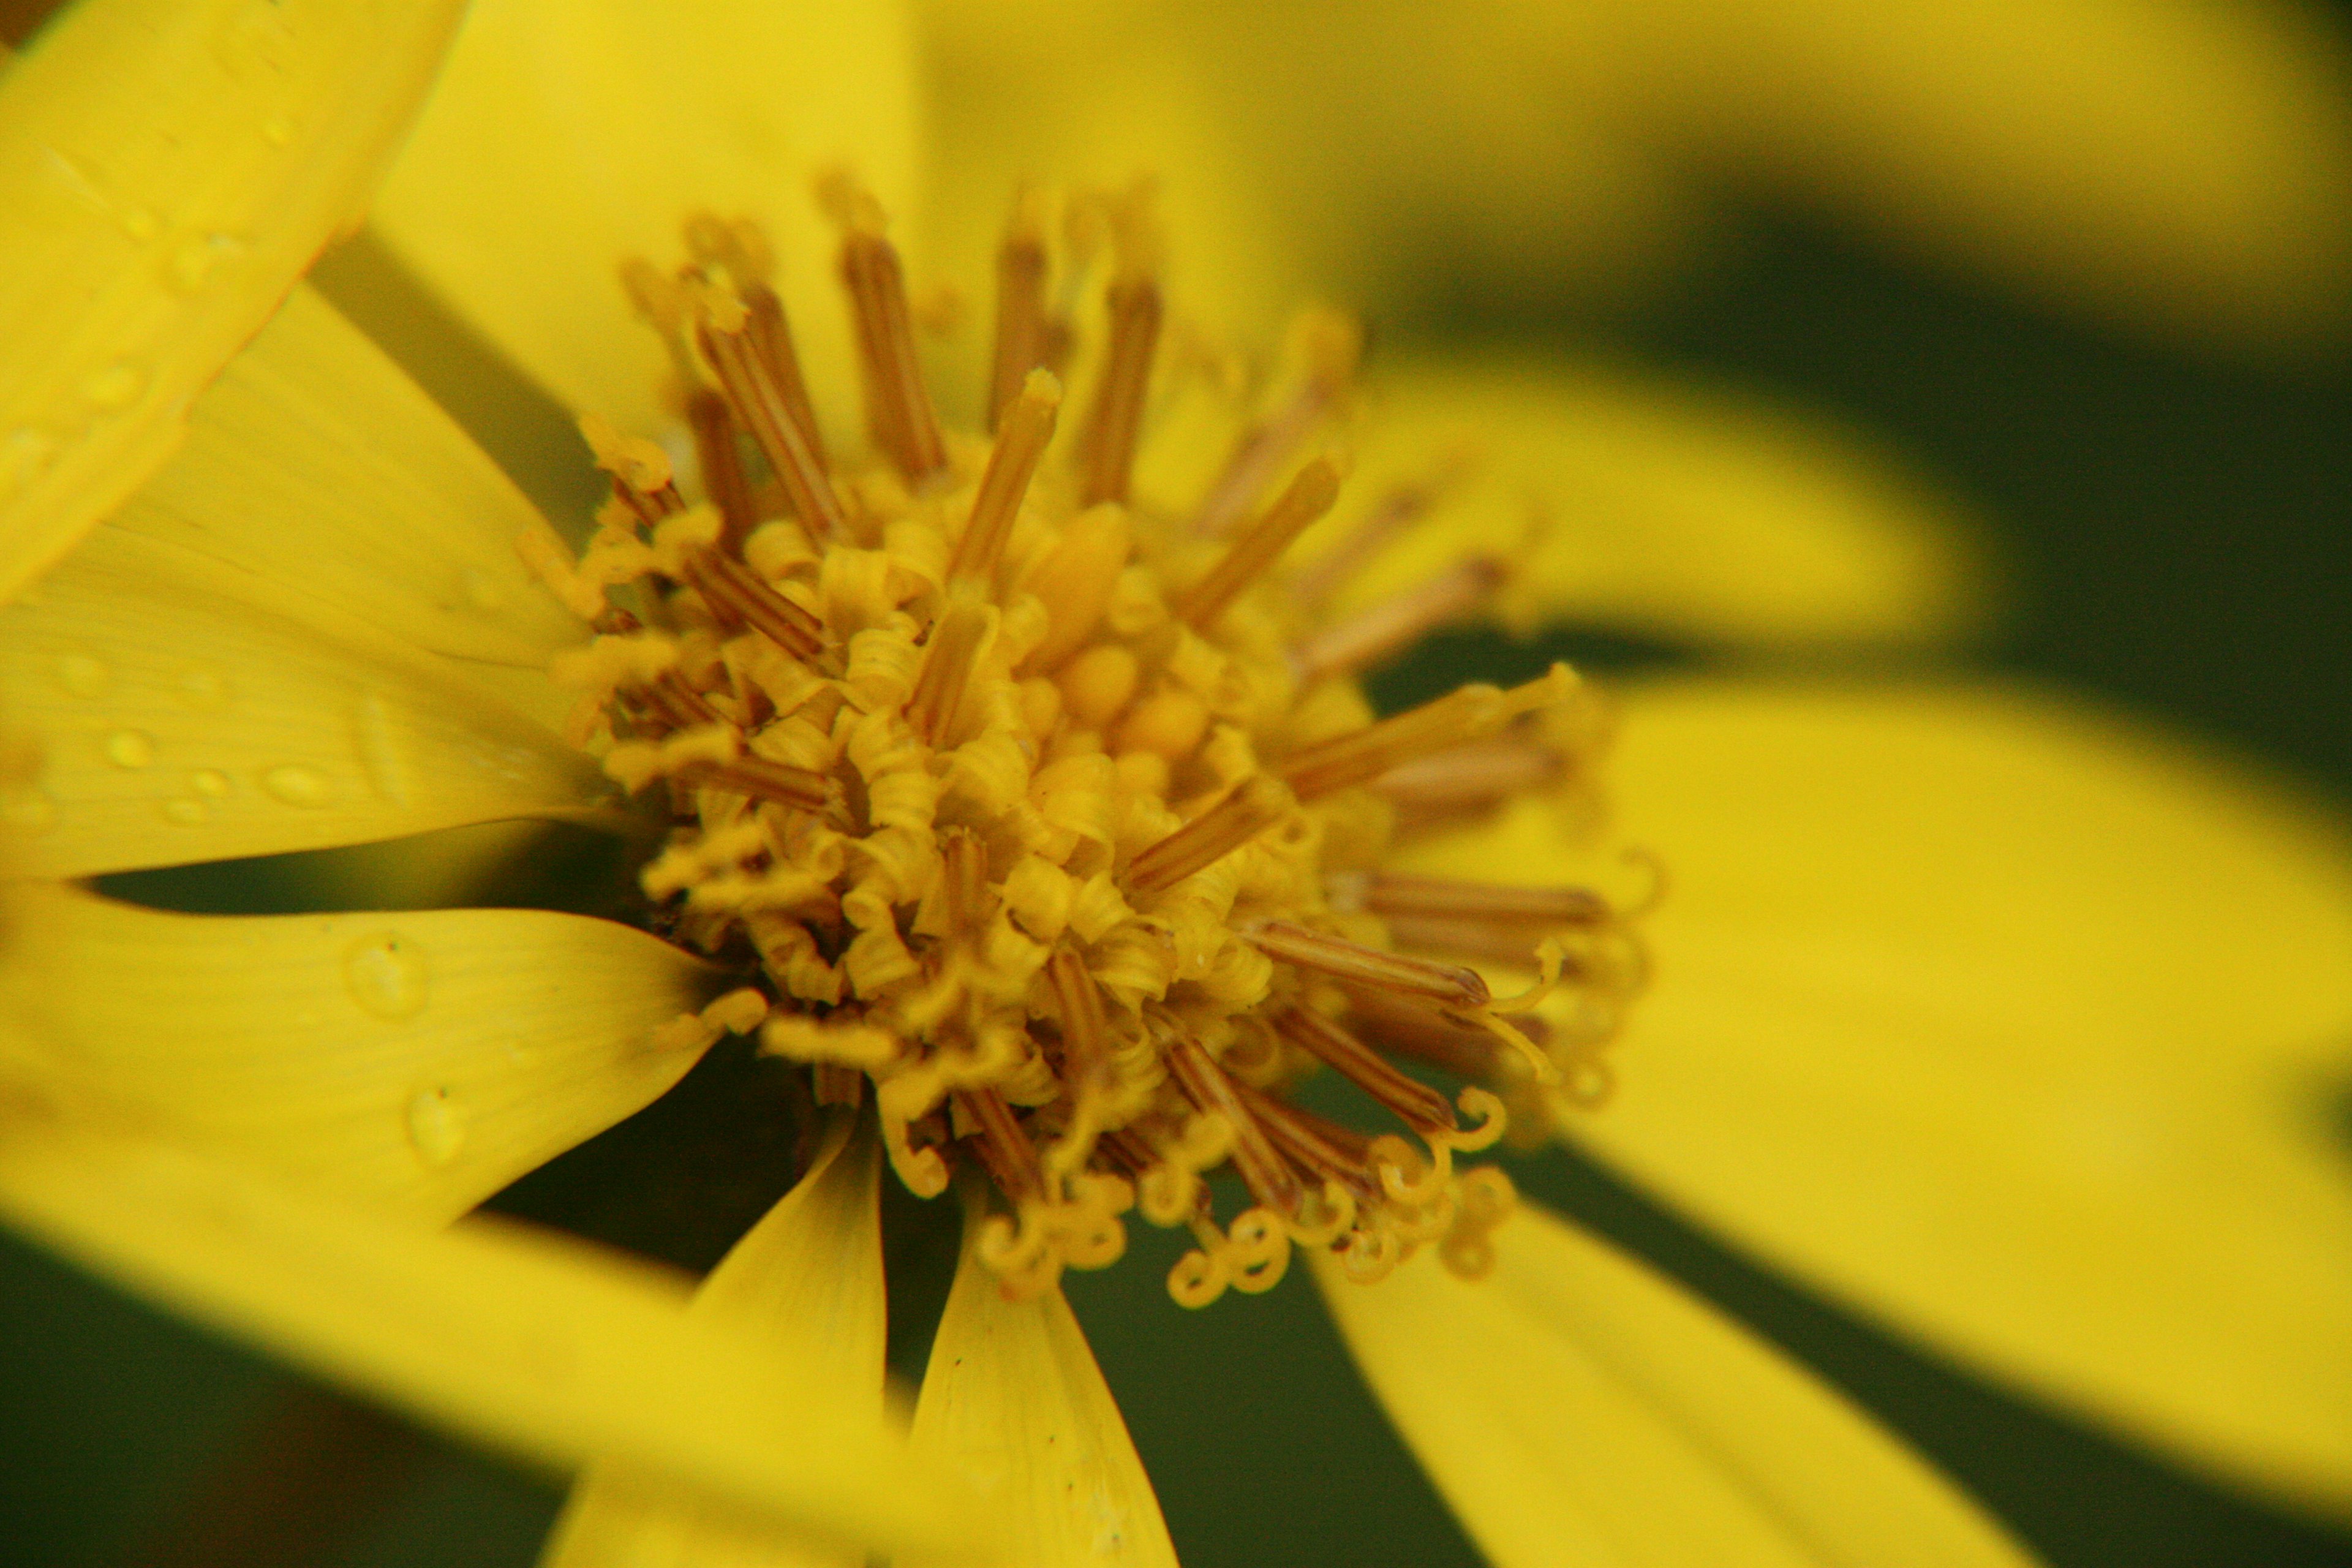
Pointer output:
x,y
203,689
194,258
435,1131
294,784
117,386
184,813
84,676
30,810
209,782
387,974
130,749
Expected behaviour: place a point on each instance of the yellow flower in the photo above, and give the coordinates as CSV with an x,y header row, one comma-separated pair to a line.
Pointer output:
x,y
1965,1004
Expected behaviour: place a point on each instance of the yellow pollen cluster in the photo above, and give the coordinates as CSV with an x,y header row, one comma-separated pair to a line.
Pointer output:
x,y
1055,823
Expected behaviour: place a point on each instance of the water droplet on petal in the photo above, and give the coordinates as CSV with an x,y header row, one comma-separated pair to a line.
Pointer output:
x,y
183,813
130,749
116,387
435,1128
294,784
28,810
83,675
210,782
387,974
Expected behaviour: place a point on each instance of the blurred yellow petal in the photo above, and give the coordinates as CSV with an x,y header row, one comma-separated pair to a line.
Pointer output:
x,y
185,709
555,1351
1576,1406
1657,509
567,135
1013,1403
315,462
429,1059
167,170
807,1280
2013,1025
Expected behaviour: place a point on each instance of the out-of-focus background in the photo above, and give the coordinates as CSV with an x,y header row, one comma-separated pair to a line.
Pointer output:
x,y
2164,475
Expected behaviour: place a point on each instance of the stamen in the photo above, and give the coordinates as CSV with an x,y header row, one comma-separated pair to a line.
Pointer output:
x,y
723,479
764,780
1012,1160
760,403
1393,893
1415,1104
1021,324
1086,1045
1398,510
1269,1179
1399,621
1361,965
898,404
1332,346
1310,495
1252,806
1021,441
1464,778
736,591
1109,455
939,689
1494,943
640,469
1467,714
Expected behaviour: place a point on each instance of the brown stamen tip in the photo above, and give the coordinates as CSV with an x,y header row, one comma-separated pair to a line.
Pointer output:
x,y
898,413
736,593
723,479
1253,805
764,780
760,404
1470,713
1401,620
1022,332
1393,893
1471,776
1021,441
964,873
772,343
1004,1147
1117,422
1310,496
1357,964
1414,1103
1270,1180
1085,1045
939,689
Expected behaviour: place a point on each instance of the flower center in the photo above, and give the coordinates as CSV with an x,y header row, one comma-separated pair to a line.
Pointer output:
x,y
1049,818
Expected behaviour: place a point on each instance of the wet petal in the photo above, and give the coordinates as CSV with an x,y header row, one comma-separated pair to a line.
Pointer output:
x,y
2015,1026
1013,1403
167,170
555,1351
314,461
1657,509
184,710
808,1279
428,1058
1576,1406
565,137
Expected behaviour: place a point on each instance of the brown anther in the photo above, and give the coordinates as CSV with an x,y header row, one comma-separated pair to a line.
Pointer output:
x,y
1402,1028
946,670
674,703
1020,323
1357,964
1399,621
1268,443
1473,777
759,403
1021,441
1309,496
771,338
1415,1104
1086,1044
1321,1148
838,1085
1395,893
1469,713
1117,422
761,779
1252,806
898,413
1398,510
723,479
963,875
736,593
1270,1180
1004,1147
1490,941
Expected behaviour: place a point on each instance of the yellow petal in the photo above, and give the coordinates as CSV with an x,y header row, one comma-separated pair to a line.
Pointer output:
x,y
428,1058
314,461
807,1280
186,711
2015,1026
1013,1403
1577,1406
555,1351
167,170
566,136
1653,509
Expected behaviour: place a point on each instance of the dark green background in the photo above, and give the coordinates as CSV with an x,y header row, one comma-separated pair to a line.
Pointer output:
x,y
2174,533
